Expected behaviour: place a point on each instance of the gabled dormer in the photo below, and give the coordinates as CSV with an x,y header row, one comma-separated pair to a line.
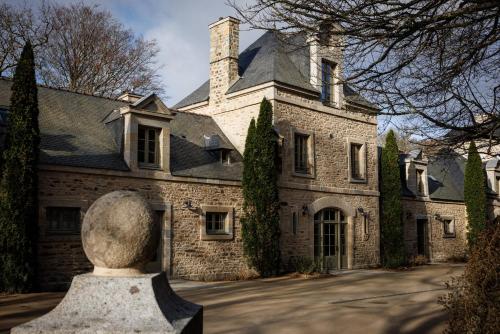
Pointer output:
x,y
415,170
493,175
217,146
147,134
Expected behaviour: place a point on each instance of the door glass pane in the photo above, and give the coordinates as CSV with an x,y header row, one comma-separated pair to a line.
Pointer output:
x,y
342,239
317,239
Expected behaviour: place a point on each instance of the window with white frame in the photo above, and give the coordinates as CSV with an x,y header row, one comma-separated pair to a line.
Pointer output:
x,y
449,228
63,220
420,182
357,161
148,146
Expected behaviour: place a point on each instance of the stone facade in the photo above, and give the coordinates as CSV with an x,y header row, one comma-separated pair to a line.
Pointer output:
x,y
185,254
437,246
331,129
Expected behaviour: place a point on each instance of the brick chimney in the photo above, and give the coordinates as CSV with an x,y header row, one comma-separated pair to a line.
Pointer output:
x,y
224,50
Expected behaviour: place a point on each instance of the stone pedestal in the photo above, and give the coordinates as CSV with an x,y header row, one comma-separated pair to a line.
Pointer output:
x,y
135,304
119,235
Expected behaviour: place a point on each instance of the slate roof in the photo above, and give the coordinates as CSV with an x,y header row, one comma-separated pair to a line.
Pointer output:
x,y
86,131
189,155
270,59
71,128
445,176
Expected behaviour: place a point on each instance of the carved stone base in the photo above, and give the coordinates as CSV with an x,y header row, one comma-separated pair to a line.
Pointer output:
x,y
134,304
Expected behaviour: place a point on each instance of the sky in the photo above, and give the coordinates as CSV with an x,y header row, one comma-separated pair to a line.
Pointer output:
x,y
180,28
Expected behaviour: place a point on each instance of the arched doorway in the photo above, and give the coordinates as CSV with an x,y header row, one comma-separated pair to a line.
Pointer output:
x,y
330,239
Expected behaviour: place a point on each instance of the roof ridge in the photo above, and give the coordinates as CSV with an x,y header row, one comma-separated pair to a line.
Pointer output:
x,y
190,113
67,90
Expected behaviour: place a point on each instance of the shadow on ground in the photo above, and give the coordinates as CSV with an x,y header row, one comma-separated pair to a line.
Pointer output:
x,y
361,301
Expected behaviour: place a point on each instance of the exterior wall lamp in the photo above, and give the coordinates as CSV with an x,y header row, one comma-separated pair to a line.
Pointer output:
x,y
305,210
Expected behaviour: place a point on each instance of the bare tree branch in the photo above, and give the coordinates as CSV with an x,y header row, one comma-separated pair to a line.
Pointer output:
x,y
434,63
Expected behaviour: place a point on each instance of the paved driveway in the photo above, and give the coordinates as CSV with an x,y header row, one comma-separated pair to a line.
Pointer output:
x,y
360,301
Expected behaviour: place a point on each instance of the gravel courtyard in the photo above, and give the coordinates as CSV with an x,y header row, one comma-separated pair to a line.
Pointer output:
x,y
359,301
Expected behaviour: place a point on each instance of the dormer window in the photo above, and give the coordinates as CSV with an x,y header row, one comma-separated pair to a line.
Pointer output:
x,y
225,157
420,182
148,148
327,72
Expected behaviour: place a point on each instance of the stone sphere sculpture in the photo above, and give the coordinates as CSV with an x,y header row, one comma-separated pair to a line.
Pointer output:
x,y
120,233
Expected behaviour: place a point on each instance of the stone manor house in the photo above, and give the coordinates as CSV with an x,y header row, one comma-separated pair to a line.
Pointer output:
x,y
187,162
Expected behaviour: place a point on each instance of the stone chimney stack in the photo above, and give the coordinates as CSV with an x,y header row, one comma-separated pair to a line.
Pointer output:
x,y
224,50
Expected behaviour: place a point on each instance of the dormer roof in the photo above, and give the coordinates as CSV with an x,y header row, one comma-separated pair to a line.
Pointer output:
x,y
445,175
153,103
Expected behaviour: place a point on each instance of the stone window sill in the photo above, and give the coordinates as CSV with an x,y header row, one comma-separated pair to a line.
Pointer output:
x,y
149,166
304,175
449,236
226,236
358,180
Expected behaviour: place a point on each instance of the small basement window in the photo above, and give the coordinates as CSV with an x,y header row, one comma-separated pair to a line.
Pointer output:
x,y
63,220
216,222
449,228
148,149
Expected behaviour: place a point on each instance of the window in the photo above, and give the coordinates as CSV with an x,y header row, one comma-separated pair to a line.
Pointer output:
x,y
294,223
62,220
148,146
498,185
449,228
216,222
420,182
356,170
327,71
225,157
301,153
365,225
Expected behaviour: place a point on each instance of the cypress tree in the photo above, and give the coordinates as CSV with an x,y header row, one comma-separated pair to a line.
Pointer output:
x,y
474,195
251,244
18,186
392,231
261,231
